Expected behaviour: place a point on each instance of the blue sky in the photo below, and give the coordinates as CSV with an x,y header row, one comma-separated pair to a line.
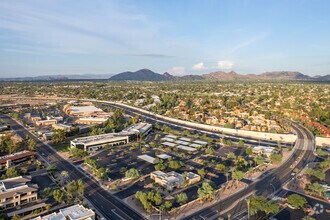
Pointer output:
x,y
39,37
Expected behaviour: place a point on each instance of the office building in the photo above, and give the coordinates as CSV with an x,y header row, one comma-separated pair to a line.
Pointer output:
x,y
173,179
75,212
96,142
46,122
16,158
17,191
90,120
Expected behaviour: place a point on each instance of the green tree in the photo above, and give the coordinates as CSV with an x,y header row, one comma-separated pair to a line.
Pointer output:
x,y
317,173
241,143
167,205
46,192
276,158
51,168
206,192
237,175
259,160
58,136
58,195
132,173
297,201
181,198
160,166
32,144
80,185
201,172
209,150
260,203
220,167
316,188
10,173
249,150
175,165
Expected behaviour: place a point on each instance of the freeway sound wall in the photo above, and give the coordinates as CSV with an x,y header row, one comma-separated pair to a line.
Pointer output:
x,y
287,138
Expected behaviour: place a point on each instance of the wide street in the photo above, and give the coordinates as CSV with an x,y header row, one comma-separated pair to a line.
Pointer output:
x,y
112,208
108,205
269,183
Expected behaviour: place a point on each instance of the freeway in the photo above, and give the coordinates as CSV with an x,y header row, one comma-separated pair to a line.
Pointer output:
x,y
108,205
153,118
268,185
113,208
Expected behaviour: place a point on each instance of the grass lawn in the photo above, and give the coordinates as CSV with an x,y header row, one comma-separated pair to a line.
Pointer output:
x,y
62,147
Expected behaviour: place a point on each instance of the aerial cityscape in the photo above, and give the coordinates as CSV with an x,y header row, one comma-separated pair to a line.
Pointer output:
x,y
192,110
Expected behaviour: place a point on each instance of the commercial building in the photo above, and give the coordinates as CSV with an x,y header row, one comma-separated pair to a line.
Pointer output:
x,y
82,111
46,122
16,158
58,117
62,127
139,128
35,118
173,179
183,147
75,212
17,191
94,143
90,120
147,158
169,180
265,151
204,143
164,156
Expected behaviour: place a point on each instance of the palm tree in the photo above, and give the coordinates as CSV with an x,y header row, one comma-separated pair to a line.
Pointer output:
x,y
65,175
248,201
227,176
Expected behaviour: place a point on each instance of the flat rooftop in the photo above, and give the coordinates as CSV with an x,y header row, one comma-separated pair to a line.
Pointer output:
x,y
171,136
77,109
168,144
16,156
77,212
182,142
182,147
147,158
141,127
200,142
164,156
98,138
185,139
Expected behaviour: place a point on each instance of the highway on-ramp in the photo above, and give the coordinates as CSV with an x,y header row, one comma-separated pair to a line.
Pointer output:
x,y
267,184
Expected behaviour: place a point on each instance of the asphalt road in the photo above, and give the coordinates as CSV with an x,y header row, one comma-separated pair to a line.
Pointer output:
x,y
267,184
113,208
108,205
177,126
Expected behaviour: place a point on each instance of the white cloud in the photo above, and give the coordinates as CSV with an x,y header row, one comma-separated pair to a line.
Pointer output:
x,y
177,70
225,64
199,66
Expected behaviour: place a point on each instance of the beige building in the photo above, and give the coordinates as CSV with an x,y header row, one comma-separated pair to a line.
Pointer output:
x,y
17,191
173,179
264,151
46,122
75,212
90,121
62,127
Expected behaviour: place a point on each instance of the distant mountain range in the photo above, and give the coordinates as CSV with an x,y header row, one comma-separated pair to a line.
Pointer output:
x,y
86,76
148,75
